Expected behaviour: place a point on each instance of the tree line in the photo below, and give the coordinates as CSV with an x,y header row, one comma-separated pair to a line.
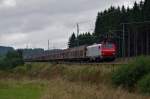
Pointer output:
x,y
11,60
112,23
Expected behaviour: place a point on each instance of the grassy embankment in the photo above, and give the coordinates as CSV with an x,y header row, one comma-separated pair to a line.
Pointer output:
x,y
51,81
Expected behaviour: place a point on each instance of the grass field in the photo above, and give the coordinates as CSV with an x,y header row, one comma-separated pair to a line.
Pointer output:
x,y
51,81
61,89
12,89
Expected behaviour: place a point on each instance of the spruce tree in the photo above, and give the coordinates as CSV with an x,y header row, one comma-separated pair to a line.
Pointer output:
x,y
72,41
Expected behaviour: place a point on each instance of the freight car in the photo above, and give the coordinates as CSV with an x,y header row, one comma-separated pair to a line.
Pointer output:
x,y
96,52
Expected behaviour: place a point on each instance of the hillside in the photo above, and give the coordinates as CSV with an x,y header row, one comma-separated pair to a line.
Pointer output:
x,y
4,50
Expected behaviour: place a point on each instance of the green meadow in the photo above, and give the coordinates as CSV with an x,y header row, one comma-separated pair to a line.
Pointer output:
x,y
13,89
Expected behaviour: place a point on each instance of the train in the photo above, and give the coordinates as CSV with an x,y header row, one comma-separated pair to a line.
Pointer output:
x,y
91,53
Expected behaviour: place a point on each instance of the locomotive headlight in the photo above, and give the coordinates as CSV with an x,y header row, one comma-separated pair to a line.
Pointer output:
x,y
114,53
103,53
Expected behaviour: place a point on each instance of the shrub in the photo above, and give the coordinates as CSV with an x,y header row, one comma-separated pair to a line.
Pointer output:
x,y
11,60
128,75
20,70
144,84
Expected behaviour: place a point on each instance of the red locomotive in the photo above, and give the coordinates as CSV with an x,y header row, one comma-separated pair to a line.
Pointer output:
x,y
105,50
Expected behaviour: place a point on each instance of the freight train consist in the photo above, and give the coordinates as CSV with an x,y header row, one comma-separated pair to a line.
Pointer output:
x,y
96,52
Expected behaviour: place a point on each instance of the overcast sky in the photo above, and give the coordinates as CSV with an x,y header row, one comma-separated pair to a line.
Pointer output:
x,y
33,22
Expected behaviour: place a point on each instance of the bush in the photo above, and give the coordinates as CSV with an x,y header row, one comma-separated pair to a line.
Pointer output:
x,y
144,84
11,60
128,75
20,70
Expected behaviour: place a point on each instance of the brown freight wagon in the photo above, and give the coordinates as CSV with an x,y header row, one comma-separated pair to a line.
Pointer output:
x,y
71,54
75,53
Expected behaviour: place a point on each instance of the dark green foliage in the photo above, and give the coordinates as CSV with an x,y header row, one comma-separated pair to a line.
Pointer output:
x,y
128,75
86,39
144,84
110,22
72,41
82,39
146,9
109,25
11,60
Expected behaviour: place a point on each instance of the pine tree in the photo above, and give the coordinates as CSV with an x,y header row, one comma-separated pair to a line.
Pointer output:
x,y
146,10
72,41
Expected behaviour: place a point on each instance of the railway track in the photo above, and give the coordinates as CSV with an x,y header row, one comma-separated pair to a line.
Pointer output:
x,y
98,63
119,61
85,63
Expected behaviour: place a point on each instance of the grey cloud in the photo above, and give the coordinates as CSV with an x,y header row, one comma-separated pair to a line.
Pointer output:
x,y
50,19
36,14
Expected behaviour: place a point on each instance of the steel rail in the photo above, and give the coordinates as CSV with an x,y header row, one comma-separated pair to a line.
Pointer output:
x,y
85,63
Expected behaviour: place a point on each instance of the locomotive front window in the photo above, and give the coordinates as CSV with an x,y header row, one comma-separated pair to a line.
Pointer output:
x,y
107,46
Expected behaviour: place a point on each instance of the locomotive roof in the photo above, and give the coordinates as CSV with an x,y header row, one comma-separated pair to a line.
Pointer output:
x,y
95,45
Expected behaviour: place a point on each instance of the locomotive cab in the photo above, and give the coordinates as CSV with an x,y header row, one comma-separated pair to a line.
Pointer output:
x,y
108,50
